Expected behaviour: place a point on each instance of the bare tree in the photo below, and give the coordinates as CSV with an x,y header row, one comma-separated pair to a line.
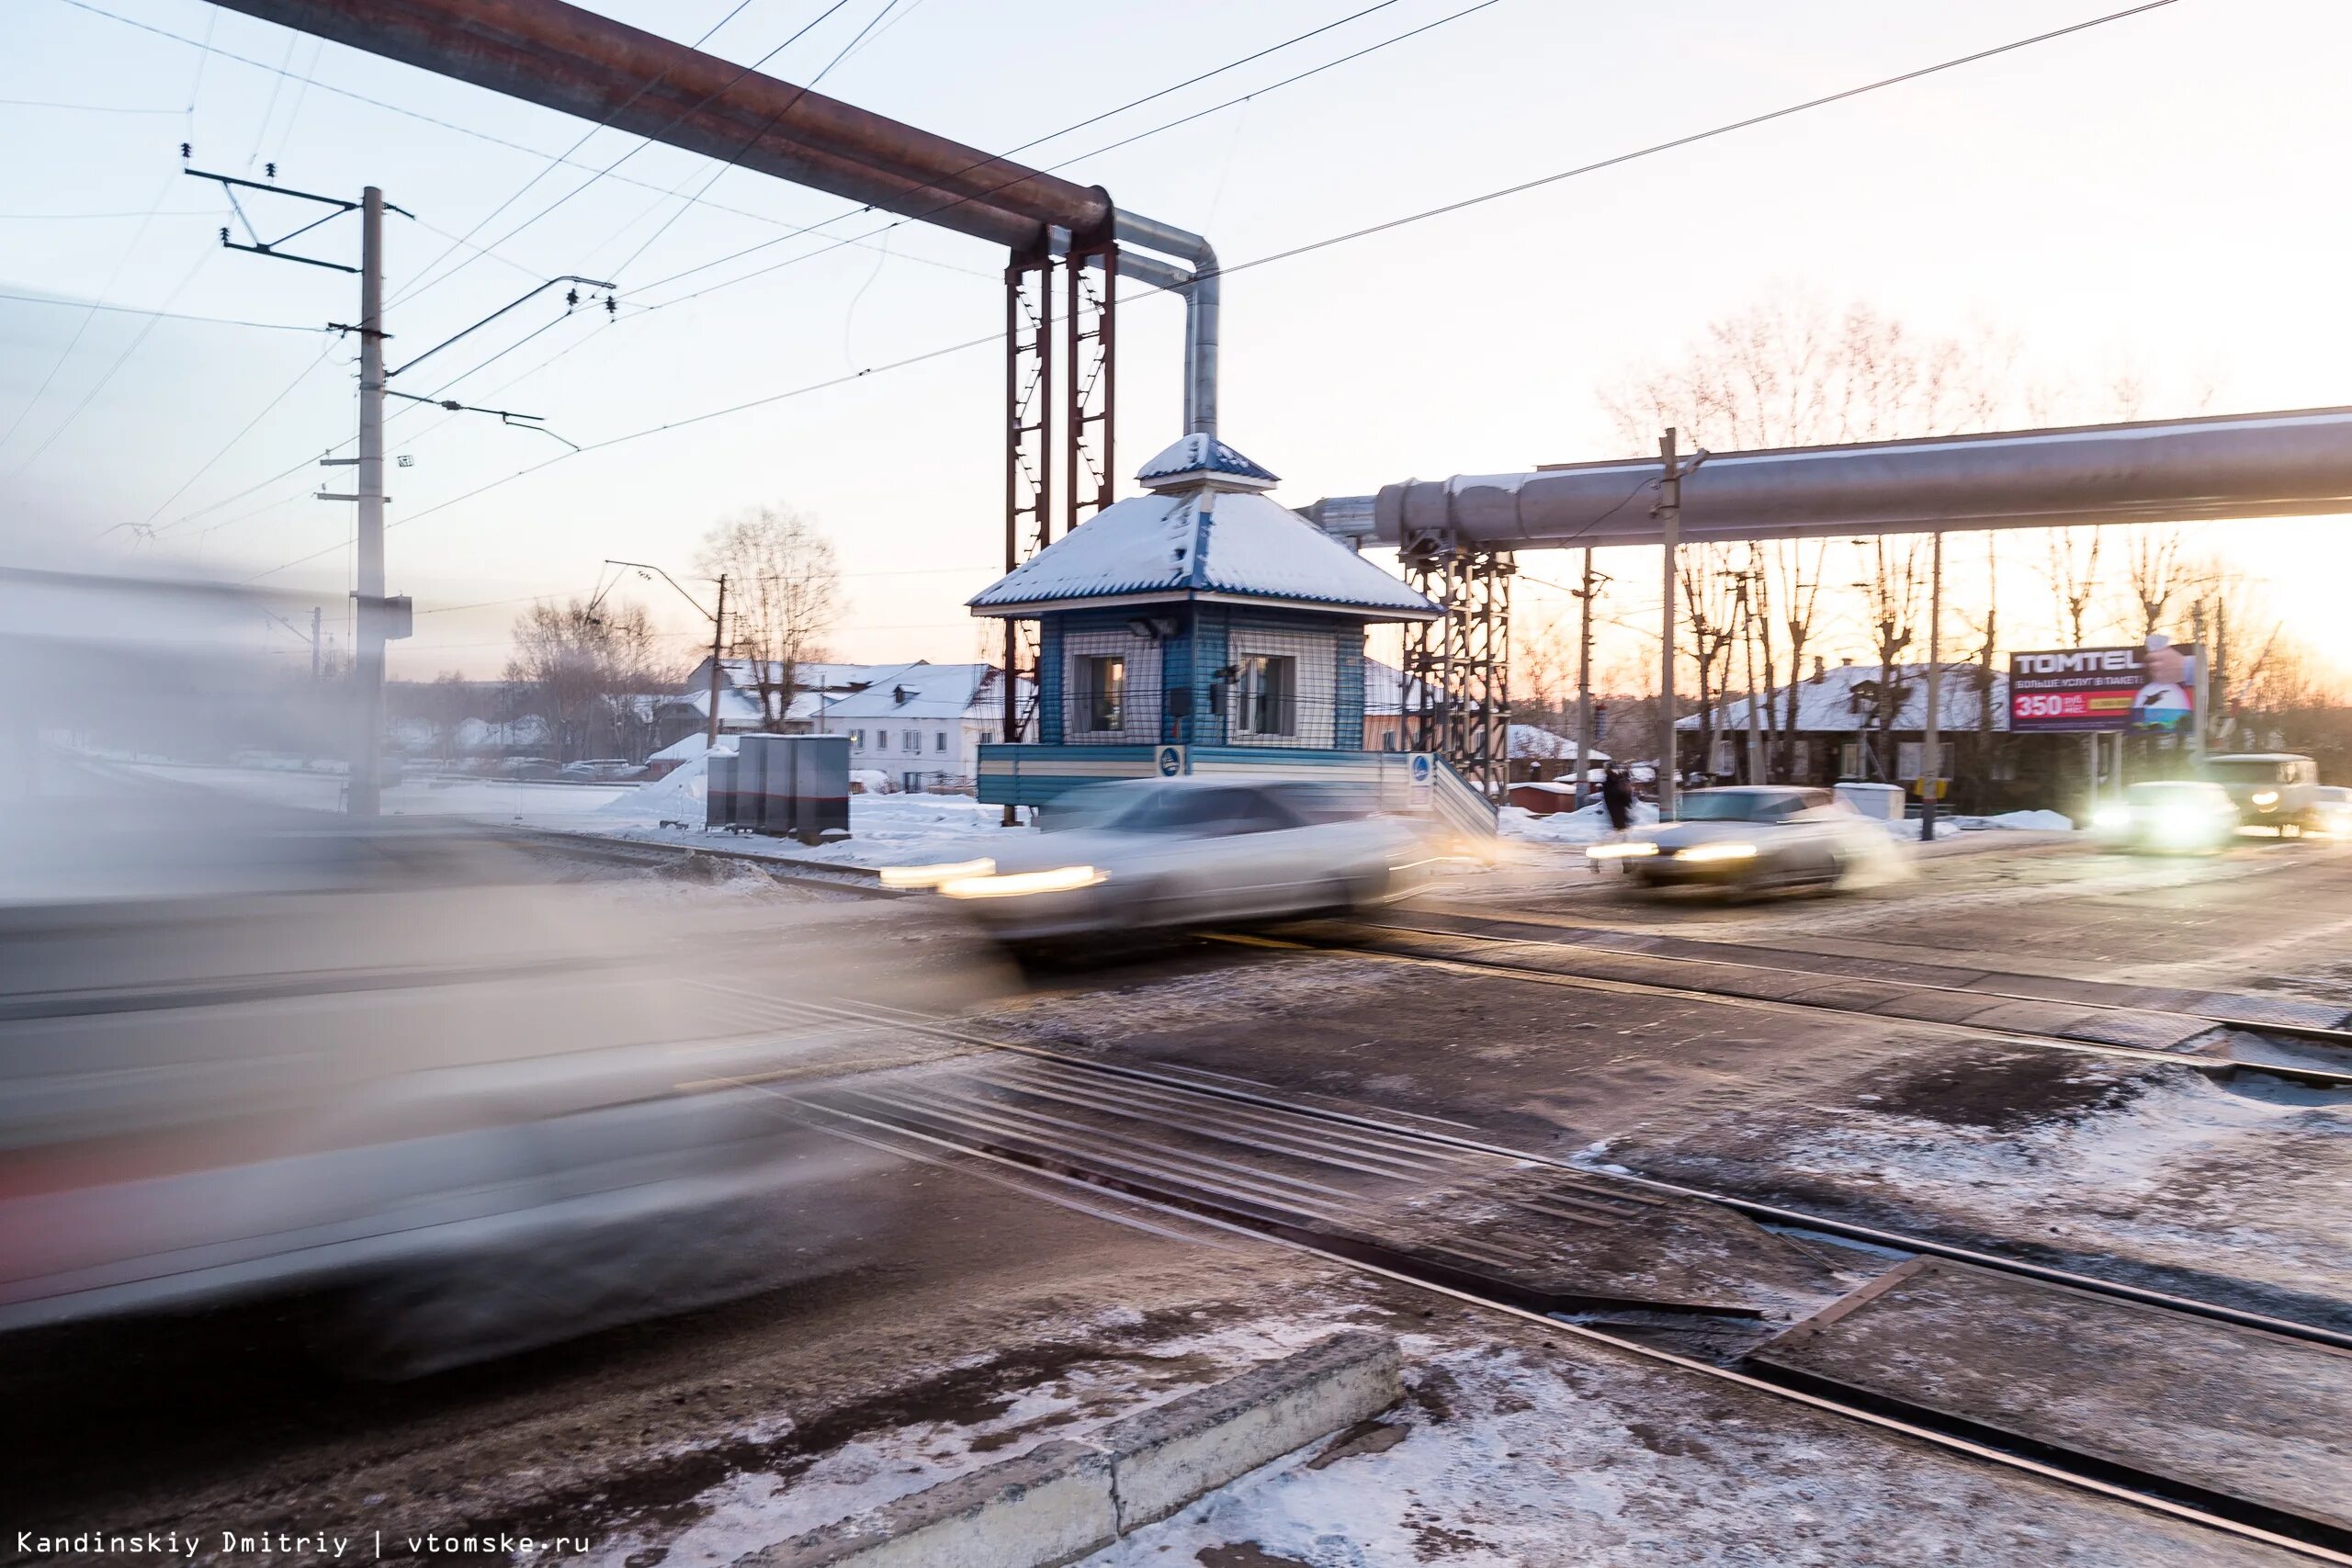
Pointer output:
x,y
2155,574
1891,593
2073,576
1792,372
784,593
584,671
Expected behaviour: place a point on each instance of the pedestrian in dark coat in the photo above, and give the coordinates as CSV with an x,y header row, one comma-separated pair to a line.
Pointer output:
x,y
1617,798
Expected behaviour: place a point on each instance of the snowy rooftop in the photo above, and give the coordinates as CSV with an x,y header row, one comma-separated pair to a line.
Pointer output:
x,y
1531,742
1838,701
1202,532
926,691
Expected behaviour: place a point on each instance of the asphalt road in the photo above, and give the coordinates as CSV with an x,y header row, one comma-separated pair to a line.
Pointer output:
x,y
973,1313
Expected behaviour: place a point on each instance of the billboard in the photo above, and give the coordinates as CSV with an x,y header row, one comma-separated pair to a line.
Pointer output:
x,y
2150,689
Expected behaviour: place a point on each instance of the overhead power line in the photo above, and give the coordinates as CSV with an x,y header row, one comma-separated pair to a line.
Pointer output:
x,y
642,143
1707,135
1055,135
563,160
1653,149
804,230
160,315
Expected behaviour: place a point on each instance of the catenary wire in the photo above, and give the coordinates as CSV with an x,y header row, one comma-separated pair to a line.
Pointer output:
x,y
1653,149
863,239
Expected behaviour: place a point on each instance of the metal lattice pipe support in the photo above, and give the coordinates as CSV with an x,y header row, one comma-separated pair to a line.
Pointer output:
x,y
1090,412
1028,448
1462,664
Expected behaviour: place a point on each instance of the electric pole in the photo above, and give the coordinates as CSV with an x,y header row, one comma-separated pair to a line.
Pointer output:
x,y
1931,764
717,646
379,619
1670,520
1751,583
316,614
1584,685
368,705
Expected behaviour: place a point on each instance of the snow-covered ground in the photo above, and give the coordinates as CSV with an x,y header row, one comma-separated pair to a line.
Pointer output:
x,y
493,799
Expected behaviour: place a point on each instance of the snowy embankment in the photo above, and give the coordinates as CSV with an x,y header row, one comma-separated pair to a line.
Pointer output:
x,y
885,829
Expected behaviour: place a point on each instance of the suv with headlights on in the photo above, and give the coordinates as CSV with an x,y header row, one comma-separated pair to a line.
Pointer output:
x,y
2276,793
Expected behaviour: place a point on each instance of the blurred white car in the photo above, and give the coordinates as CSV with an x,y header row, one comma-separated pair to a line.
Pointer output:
x,y
2171,816
1154,853
2333,815
1751,836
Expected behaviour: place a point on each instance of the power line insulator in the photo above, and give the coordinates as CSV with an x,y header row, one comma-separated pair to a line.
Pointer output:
x,y
570,298
269,170
185,151
612,306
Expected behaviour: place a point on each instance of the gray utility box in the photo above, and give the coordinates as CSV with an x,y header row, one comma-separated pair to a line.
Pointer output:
x,y
794,785
751,780
719,790
820,787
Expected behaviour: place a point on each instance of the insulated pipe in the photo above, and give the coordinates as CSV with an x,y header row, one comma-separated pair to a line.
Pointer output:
x,y
1201,308
564,58
2263,465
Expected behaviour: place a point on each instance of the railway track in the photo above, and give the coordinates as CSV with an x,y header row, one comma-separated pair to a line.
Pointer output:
x,y
1754,1295
1648,1267
1684,979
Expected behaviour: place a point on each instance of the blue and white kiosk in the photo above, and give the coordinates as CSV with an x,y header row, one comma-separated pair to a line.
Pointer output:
x,y
1203,627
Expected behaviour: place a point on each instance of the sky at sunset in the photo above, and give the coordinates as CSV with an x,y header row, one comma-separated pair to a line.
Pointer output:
x,y
2156,199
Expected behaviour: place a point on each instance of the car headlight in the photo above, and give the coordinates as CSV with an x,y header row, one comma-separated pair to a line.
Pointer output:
x,y
2110,817
1624,849
904,877
2266,798
1718,852
1015,885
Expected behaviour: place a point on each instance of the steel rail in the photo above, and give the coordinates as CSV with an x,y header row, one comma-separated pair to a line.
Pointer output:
x,y
1771,1213
2210,1066
2317,1033
826,1116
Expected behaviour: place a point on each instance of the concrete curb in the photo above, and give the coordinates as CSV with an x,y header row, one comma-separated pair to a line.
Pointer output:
x,y
1062,1500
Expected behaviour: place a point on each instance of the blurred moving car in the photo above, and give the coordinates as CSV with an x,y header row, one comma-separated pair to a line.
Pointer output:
x,y
2335,811
1751,836
1139,853
452,1116
2276,793
2171,816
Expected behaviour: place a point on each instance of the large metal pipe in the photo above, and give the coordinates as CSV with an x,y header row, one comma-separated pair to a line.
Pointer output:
x,y
564,58
1203,299
2260,465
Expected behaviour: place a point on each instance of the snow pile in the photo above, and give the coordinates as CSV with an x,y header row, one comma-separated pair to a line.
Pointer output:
x,y
676,797
2039,821
2180,1171
1586,826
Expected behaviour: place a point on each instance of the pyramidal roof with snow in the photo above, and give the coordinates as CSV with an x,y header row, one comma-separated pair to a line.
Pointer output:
x,y
1205,530
1198,458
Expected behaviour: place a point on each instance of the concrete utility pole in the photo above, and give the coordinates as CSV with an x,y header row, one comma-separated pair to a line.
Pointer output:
x,y
717,646
1584,685
1759,771
316,614
368,705
1670,520
1930,763
2201,687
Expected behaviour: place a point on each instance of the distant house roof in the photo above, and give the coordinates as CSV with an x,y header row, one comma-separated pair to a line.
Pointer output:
x,y
813,675
1204,531
1531,743
927,692
1388,690
1839,700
